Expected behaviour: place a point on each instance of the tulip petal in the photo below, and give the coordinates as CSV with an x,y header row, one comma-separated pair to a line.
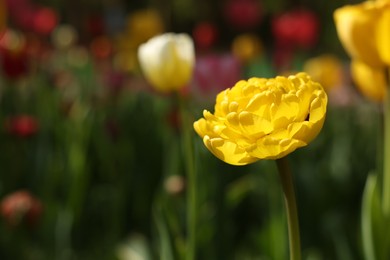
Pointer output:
x,y
253,125
383,36
273,148
285,112
317,110
302,131
260,104
228,151
370,81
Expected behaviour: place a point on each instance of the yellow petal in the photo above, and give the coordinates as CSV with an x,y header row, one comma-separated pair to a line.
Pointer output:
x,y
209,125
370,81
201,128
356,28
260,104
303,131
383,36
253,125
286,111
272,148
228,151
317,109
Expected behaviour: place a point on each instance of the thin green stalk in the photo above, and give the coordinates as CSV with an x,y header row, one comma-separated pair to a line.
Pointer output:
x,y
191,179
386,151
291,208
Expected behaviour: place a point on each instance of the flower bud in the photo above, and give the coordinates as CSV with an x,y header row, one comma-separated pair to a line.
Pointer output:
x,y
167,61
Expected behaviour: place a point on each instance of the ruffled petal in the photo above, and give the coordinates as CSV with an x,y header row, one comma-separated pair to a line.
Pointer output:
x,y
273,148
254,125
228,151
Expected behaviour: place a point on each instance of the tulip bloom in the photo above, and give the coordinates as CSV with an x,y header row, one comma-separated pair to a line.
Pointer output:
x,y
357,29
263,118
167,61
363,31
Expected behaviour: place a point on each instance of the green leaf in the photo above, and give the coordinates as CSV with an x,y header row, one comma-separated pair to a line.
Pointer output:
x,y
373,224
166,252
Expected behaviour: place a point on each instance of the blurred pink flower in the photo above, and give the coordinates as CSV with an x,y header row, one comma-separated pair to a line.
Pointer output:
x,y
21,207
214,73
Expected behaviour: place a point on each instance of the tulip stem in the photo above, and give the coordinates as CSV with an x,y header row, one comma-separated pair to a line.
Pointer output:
x,y
386,150
291,208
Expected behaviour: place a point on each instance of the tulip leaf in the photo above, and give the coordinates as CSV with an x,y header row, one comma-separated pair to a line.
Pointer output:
x,y
372,222
166,252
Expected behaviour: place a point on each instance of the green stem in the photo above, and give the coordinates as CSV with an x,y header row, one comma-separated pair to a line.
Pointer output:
x,y
291,208
386,150
191,179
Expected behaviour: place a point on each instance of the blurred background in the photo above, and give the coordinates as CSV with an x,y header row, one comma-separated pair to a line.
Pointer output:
x,y
91,156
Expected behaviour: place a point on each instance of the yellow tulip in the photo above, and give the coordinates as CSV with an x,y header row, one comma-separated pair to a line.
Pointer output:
x,y
370,81
167,61
363,29
263,118
357,30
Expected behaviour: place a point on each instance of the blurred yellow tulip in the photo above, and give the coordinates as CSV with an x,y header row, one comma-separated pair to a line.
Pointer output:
x,y
364,29
327,69
167,61
247,47
370,81
263,118
357,30
144,24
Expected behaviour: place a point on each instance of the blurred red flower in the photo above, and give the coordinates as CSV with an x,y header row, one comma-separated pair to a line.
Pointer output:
x,y
45,19
14,65
14,60
243,14
22,126
205,35
296,28
21,207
